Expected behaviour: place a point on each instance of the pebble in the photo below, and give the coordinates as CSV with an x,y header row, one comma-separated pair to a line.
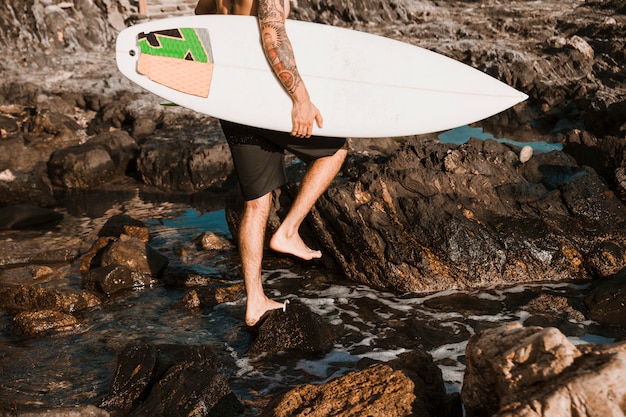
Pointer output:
x,y
525,154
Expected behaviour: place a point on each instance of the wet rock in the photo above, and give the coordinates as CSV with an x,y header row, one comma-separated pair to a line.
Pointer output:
x,y
111,279
134,373
79,411
20,298
24,217
409,386
29,188
136,255
95,162
514,371
20,253
183,166
296,329
212,241
122,224
81,166
547,309
607,301
170,380
606,155
112,265
43,322
436,216
210,297
377,390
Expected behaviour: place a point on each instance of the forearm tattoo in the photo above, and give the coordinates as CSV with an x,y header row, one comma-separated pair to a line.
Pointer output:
x,y
276,44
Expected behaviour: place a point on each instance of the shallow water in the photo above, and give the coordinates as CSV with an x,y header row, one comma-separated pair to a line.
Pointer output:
x,y
77,368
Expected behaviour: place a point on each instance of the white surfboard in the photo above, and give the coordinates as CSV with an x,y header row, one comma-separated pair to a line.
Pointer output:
x,y
364,85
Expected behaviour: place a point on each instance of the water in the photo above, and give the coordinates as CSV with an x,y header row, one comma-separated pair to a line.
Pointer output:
x,y
461,135
76,368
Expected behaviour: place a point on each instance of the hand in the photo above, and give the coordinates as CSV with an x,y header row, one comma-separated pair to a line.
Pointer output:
x,y
303,114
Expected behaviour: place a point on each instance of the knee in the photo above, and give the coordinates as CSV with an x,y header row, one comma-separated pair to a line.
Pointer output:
x,y
259,205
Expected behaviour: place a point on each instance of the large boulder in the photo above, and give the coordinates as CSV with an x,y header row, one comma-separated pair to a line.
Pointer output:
x,y
532,371
437,216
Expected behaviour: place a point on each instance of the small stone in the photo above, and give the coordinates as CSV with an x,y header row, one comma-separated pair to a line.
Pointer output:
x,y
525,154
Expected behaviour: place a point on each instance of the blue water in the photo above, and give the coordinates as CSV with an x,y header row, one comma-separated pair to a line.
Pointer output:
x,y
462,134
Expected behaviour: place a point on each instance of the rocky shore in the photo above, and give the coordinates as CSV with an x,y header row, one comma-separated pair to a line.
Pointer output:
x,y
405,215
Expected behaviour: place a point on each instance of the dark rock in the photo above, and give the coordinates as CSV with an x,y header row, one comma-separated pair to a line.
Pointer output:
x,y
121,147
48,124
122,224
30,188
296,329
43,322
184,166
144,262
137,255
81,166
135,371
606,301
24,217
20,298
437,216
78,411
111,279
179,381
210,297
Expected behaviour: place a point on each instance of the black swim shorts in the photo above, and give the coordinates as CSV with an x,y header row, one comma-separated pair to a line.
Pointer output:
x,y
258,155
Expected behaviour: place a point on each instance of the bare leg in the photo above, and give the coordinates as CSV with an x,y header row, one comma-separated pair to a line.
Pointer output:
x,y
251,239
319,176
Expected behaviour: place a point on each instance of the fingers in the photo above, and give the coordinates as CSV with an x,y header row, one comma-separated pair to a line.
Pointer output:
x,y
302,131
303,116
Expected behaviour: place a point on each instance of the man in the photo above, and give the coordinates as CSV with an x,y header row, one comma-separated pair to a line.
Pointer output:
x,y
258,155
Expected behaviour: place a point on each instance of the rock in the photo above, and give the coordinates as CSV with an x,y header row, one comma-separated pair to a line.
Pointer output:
x,y
113,278
210,297
212,241
24,217
436,216
170,380
408,386
81,166
513,371
295,329
22,298
79,411
47,125
377,390
135,254
525,154
122,224
607,300
43,322
183,166
27,188
121,147
134,373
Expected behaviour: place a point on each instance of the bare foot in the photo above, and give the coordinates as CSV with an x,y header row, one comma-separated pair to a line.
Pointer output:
x,y
255,312
293,245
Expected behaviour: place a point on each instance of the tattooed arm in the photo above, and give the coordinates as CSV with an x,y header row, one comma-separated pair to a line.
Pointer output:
x,y
278,50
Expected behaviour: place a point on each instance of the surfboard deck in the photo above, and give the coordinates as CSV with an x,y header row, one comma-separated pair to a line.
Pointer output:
x,y
364,85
